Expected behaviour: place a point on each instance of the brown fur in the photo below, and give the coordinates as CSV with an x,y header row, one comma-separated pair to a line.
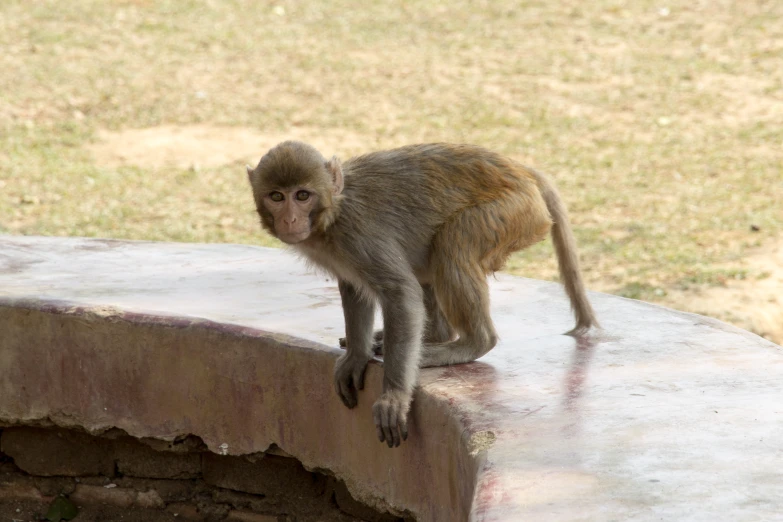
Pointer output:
x,y
416,230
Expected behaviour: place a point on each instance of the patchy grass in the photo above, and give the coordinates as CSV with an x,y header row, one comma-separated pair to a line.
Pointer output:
x,y
660,122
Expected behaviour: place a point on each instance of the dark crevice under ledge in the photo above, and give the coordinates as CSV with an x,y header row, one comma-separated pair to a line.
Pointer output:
x,y
663,414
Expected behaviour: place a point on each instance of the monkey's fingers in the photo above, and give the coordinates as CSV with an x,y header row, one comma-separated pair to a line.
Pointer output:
x,y
346,392
389,424
343,343
389,420
343,385
399,424
376,418
380,417
358,377
394,423
379,431
349,378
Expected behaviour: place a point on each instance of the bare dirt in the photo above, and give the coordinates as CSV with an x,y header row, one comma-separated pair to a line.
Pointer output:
x,y
755,304
203,146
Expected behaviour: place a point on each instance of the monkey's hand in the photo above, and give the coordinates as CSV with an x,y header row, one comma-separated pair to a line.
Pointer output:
x,y
390,413
349,377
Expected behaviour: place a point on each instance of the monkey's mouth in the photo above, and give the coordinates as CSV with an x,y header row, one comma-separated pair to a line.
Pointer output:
x,y
292,238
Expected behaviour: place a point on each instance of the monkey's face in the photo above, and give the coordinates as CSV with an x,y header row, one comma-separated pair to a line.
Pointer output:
x,y
291,210
296,190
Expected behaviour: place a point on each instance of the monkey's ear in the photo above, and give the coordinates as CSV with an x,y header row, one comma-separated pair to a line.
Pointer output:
x,y
335,168
250,173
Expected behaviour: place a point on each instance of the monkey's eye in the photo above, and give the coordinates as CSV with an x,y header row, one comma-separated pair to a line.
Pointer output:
x,y
302,195
276,196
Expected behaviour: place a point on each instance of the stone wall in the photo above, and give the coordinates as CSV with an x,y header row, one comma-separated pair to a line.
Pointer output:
x,y
179,478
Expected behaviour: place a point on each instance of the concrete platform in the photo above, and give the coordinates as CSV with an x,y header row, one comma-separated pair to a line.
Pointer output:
x,y
664,416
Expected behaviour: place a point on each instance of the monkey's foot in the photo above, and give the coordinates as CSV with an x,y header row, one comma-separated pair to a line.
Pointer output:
x,y
349,377
454,352
377,342
390,413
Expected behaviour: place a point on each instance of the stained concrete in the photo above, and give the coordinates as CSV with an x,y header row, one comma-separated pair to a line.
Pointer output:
x,y
662,416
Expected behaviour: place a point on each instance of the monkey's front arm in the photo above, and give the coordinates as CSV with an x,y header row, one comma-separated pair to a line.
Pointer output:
x,y
403,322
349,370
403,317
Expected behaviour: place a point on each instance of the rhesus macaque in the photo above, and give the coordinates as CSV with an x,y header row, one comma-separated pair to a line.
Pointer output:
x,y
415,230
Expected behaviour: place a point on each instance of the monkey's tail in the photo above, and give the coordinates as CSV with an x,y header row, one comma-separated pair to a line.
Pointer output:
x,y
567,260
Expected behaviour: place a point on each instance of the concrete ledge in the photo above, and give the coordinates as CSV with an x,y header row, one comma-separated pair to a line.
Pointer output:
x,y
665,414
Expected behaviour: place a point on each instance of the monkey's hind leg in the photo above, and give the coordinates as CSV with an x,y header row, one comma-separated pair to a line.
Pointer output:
x,y
438,329
460,288
377,342
471,320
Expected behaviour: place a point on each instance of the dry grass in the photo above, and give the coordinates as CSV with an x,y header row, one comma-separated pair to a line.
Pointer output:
x,y
660,121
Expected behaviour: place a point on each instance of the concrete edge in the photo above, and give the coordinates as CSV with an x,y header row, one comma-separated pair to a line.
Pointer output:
x,y
473,459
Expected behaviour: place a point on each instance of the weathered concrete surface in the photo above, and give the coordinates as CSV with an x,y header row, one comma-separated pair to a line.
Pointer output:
x,y
665,415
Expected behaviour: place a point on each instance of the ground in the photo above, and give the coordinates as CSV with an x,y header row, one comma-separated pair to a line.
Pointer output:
x,y
660,122
756,304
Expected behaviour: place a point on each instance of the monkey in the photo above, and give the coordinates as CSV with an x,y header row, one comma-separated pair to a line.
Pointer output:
x,y
416,230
